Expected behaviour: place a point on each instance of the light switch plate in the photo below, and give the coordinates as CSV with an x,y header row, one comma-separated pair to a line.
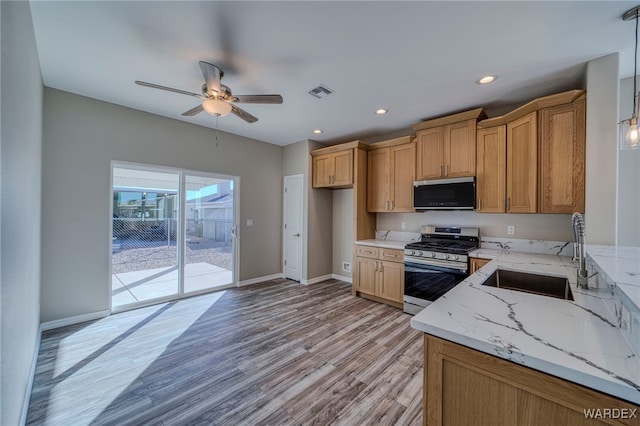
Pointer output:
x,y
249,222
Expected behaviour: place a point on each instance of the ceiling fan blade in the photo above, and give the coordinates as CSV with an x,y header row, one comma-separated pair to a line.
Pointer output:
x,y
258,99
168,89
211,75
193,111
243,114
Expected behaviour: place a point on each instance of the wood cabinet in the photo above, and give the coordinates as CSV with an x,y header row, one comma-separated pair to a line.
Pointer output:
x,y
465,386
477,263
522,165
532,159
562,157
333,169
491,170
391,175
379,274
446,146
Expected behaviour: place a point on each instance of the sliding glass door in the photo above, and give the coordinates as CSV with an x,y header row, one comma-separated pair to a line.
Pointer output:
x,y
209,233
173,233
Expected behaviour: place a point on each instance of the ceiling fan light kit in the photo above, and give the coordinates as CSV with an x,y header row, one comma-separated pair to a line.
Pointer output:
x,y
216,107
217,98
629,132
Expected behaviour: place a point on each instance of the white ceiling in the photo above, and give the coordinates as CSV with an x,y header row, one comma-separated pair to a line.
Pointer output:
x,y
419,59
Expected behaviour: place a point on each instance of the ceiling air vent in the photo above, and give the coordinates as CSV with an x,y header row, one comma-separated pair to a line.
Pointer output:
x,y
320,92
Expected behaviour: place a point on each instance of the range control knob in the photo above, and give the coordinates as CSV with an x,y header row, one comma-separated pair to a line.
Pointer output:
x,y
411,252
418,253
446,256
433,255
456,257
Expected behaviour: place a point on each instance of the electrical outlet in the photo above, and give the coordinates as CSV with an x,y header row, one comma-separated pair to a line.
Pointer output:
x,y
403,225
346,266
249,222
511,230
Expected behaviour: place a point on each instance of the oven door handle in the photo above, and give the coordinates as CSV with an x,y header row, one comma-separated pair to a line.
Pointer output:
x,y
434,265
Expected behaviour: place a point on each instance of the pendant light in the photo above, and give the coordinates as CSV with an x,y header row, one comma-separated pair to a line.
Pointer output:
x,y
629,130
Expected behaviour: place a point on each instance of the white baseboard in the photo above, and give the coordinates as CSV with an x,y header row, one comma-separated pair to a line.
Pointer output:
x,y
341,278
50,325
317,279
32,375
260,279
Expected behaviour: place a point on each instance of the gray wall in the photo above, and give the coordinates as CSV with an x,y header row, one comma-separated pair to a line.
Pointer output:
x,y
343,231
628,179
81,138
554,227
20,201
602,150
320,209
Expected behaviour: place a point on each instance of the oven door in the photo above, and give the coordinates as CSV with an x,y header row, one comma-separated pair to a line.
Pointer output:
x,y
424,283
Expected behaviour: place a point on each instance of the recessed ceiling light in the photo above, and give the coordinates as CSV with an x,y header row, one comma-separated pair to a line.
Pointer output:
x,y
317,131
382,111
487,79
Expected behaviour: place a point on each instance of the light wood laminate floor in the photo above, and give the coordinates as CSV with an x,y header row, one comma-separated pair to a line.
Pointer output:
x,y
275,353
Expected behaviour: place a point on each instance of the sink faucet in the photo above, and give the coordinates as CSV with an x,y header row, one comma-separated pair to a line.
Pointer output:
x,y
580,249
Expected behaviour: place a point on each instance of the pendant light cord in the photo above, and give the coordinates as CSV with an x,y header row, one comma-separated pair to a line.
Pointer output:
x,y
635,68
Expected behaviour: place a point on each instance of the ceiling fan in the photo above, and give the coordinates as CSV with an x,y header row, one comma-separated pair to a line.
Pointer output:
x,y
217,98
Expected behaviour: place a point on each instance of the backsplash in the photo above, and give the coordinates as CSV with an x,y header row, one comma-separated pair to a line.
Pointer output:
x,y
507,245
398,236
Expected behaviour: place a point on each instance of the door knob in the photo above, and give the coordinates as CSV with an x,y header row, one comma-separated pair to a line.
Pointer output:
x,y
296,235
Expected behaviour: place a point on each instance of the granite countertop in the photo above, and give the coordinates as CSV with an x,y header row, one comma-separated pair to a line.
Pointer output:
x,y
573,340
392,244
484,253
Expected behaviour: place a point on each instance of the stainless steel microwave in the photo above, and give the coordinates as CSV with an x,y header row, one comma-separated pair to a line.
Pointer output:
x,y
445,194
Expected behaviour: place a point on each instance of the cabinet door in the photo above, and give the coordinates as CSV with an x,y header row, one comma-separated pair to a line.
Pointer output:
x,y
402,175
460,149
342,168
429,153
378,180
366,273
477,263
491,170
562,146
322,170
391,281
522,163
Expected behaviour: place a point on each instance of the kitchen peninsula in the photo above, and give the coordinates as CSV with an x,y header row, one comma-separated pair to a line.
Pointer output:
x,y
562,356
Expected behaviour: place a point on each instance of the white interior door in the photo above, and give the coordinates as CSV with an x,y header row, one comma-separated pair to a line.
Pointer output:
x,y
293,236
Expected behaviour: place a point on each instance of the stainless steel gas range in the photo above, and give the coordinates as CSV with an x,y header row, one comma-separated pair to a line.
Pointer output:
x,y
436,263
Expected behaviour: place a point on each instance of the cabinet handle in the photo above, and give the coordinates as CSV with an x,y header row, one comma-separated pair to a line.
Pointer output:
x,y
446,170
441,170
393,204
479,203
508,203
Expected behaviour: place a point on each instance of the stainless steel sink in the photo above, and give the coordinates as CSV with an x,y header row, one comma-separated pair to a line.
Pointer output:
x,y
544,285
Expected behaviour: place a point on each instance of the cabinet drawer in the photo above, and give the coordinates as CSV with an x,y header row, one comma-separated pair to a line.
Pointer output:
x,y
392,255
367,251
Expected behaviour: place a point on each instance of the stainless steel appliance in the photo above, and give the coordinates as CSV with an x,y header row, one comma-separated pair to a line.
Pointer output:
x,y
445,194
436,263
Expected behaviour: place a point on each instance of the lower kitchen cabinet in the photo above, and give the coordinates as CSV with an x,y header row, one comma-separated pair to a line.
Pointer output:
x,y
464,386
477,263
379,274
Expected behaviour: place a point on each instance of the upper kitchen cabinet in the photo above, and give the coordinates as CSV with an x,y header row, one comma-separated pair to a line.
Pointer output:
x,y
522,165
562,147
390,175
333,166
491,170
446,146
531,160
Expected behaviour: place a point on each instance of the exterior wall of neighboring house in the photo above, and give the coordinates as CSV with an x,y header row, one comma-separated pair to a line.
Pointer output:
x,y
82,137
21,208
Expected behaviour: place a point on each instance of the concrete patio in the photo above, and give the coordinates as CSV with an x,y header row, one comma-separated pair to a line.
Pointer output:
x,y
137,286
